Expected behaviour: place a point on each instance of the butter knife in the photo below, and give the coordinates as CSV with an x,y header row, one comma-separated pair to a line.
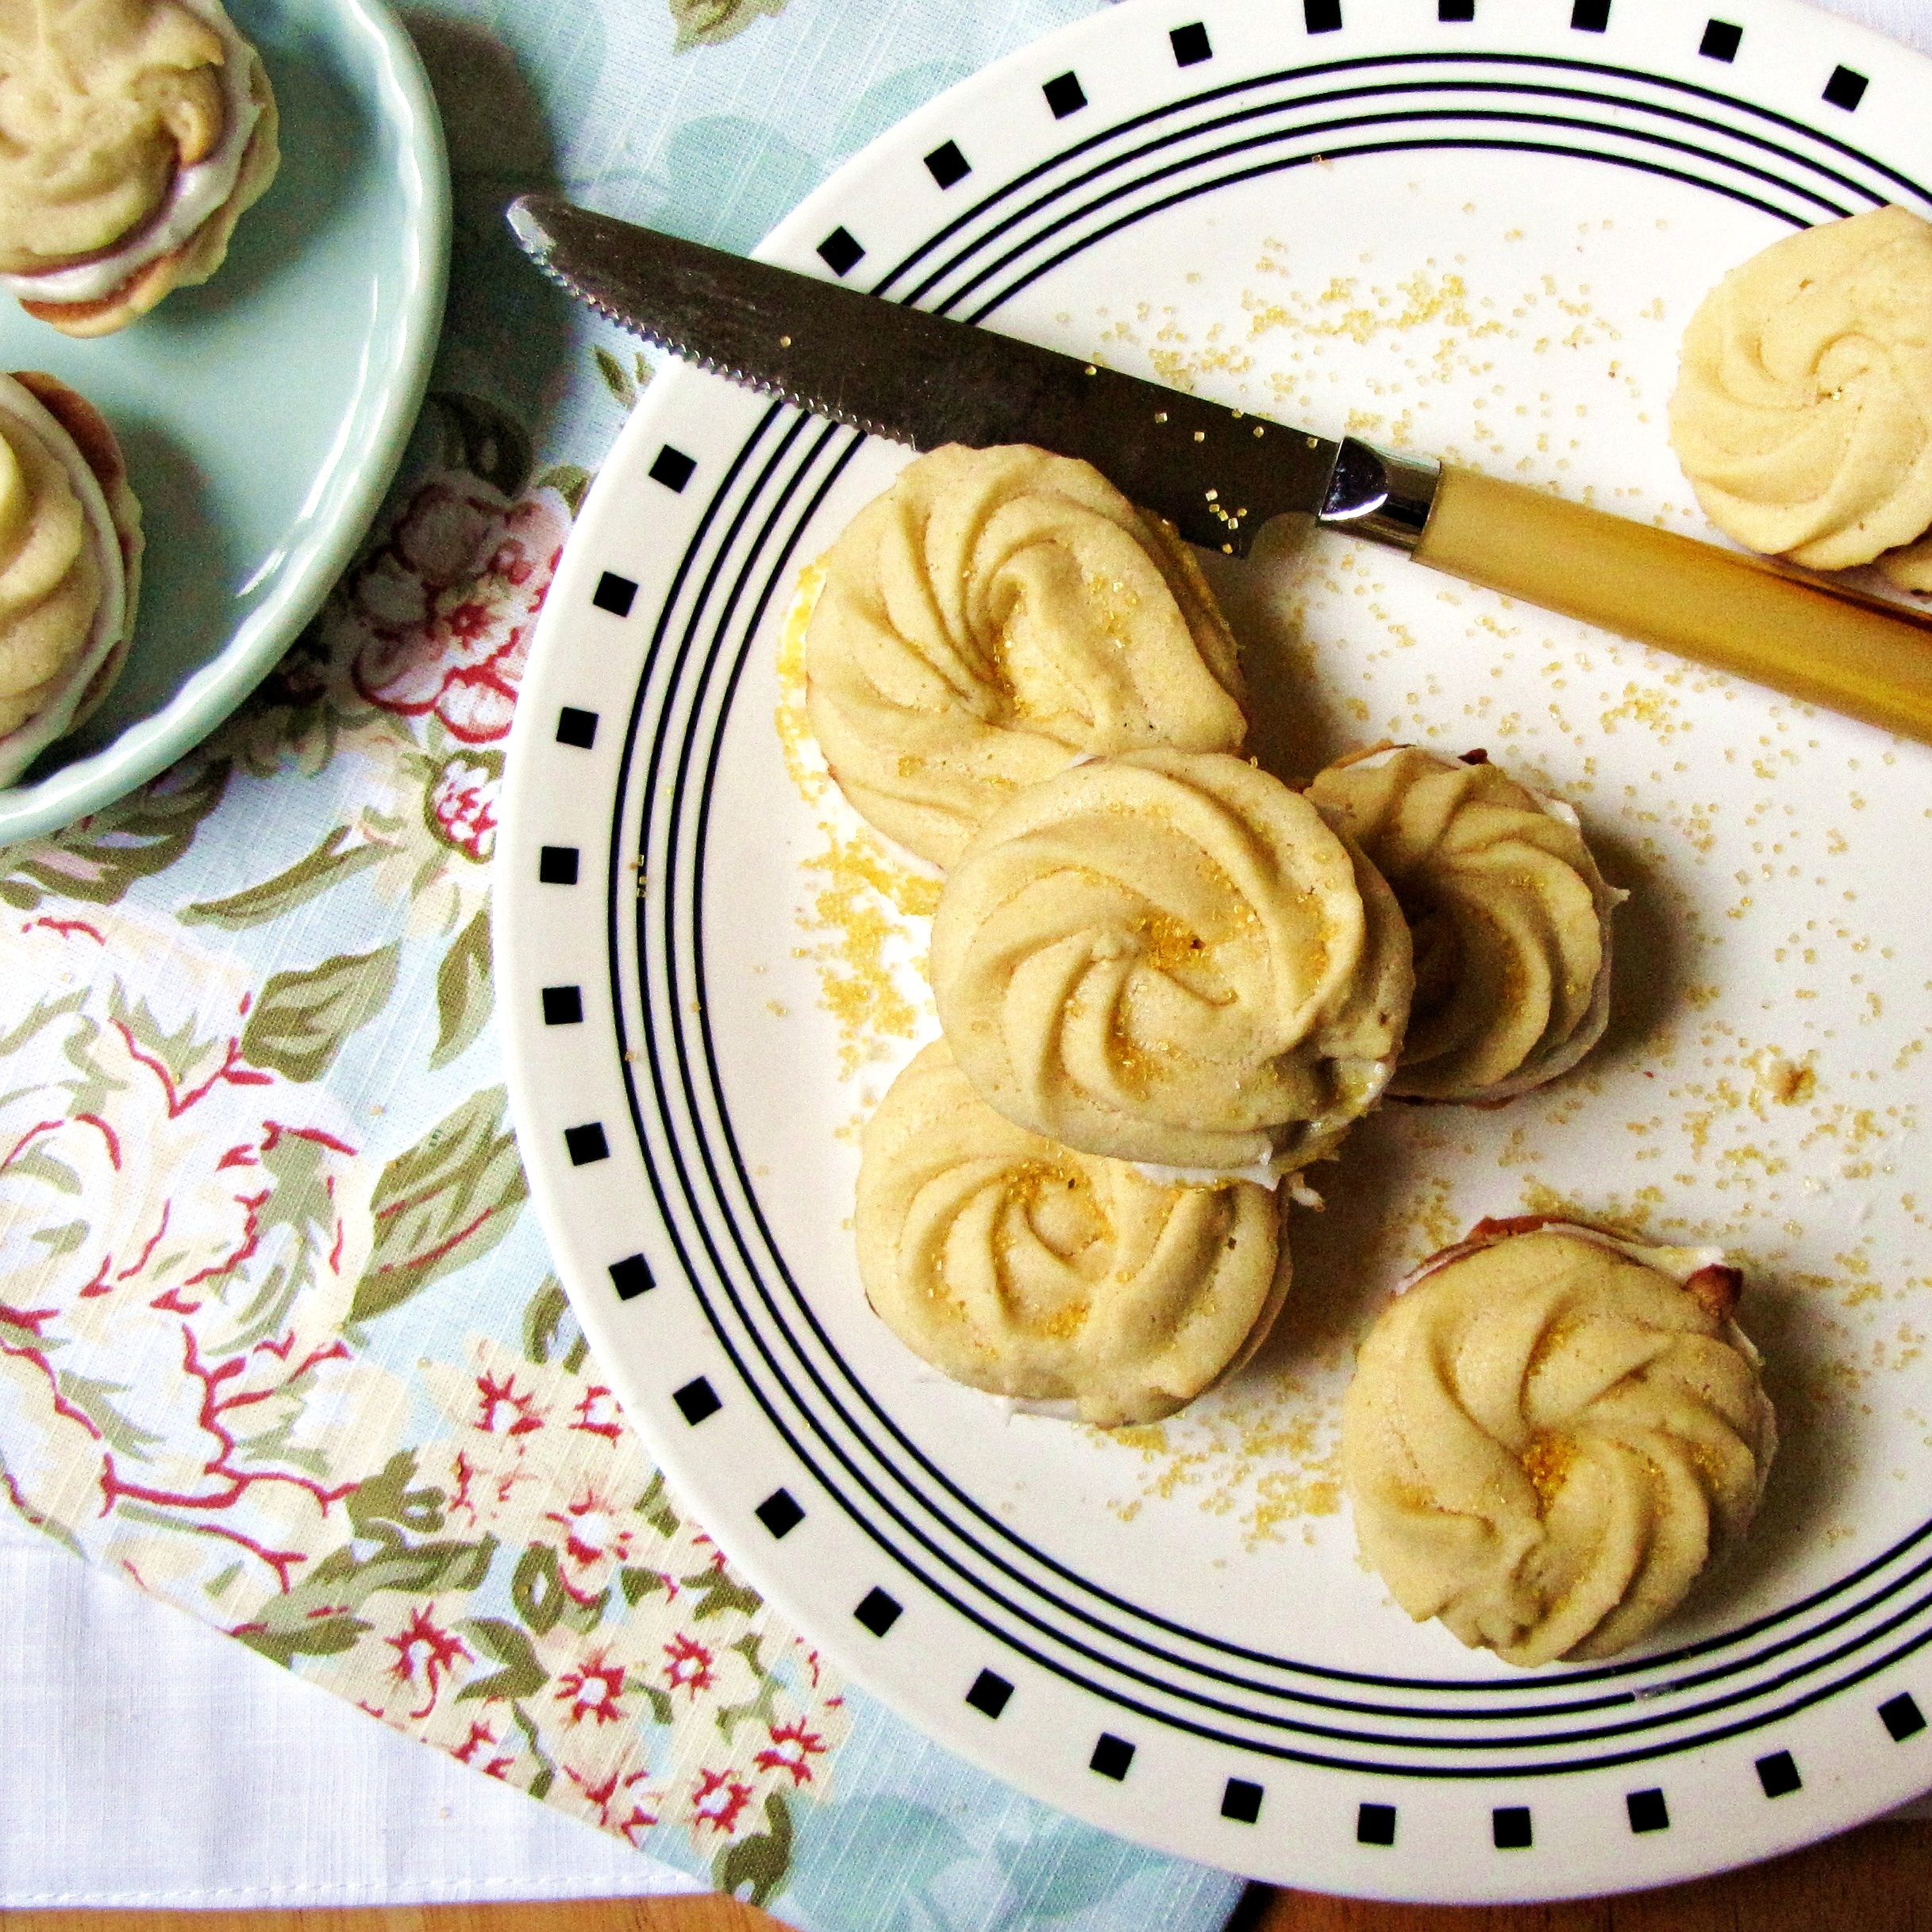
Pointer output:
x,y
1218,474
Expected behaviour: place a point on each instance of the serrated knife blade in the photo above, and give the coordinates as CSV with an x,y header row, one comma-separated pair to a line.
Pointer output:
x,y
1218,474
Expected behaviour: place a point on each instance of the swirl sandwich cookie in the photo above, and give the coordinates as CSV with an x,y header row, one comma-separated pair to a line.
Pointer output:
x,y
1021,1267
1170,958
1551,1433
134,135
1509,913
1803,414
70,564
993,616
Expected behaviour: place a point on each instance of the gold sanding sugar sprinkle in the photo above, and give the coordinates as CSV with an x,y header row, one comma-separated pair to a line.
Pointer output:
x,y
795,729
1546,1462
862,909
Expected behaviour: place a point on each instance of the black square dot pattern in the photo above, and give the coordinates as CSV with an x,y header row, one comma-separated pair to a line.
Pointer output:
x,y
587,1144
780,1512
1111,1756
1455,9
1191,45
1778,1774
840,252
672,468
1721,40
631,1277
563,1006
1375,1824
1509,1825
1845,89
576,727
989,1693
1321,16
1648,1811
1591,16
614,593
557,865
696,1400
879,1612
946,164
1065,95
1902,1717
1242,1801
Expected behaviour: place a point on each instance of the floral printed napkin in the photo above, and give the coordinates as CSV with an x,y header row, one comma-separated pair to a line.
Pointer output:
x,y
279,1340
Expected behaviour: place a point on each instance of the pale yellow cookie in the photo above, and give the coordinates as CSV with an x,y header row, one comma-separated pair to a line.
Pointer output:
x,y
994,615
133,134
1803,415
70,552
1510,916
1550,1434
1017,1266
1170,958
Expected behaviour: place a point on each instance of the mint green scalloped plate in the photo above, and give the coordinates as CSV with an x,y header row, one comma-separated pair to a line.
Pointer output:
x,y
265,414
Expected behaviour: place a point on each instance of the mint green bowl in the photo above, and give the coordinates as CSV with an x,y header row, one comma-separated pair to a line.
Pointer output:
x,y
262,414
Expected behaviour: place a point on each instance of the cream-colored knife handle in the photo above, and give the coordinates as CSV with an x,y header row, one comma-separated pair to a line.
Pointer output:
x,y
1738,614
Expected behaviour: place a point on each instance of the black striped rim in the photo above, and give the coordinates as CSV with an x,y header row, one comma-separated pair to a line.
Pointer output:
x,y
737,562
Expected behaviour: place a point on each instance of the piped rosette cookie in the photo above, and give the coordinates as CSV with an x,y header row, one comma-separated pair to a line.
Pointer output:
x,y
134,135
1551,1433
70,564
1510,916
1803,415
1016,1266
1170,958
994,615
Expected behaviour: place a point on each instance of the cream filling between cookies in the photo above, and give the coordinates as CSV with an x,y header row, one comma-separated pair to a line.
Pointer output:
x,y
21,746
195,195
1679,1264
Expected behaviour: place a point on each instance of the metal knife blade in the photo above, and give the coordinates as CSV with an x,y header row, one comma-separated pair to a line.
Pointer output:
x,y
1216,474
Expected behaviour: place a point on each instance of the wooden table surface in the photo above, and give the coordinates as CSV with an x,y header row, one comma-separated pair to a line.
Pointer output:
x,y
1876,1880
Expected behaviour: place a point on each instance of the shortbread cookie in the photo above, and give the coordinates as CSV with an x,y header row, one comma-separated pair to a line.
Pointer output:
x,y
133,134
996,614
1803,415
70,564
1170,958
1550,1434
1510,916
1017,1266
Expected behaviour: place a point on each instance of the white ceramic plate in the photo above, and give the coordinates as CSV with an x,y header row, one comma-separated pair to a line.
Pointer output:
x,y
264,414
1480,237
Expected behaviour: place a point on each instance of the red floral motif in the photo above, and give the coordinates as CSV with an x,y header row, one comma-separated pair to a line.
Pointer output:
x,y
594,1690
791,1750
593,1539
610,1795
460,806
422,1643
497,1399
447,605
717,1801
689,1665
598,1414
469,1753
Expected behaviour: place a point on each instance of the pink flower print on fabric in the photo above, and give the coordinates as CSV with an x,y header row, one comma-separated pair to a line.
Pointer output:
x,y
180,1236
617,1801
717,1800
596,1541
425,1655
792,1748
460,806
447,604
593,1690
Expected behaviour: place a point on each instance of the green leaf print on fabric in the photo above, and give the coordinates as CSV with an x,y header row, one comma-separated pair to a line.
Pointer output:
x,y
617,378
385,1508
476,435
97,859
756,1867
317,1616
443,1204
304,1018
718,1591
462,991
708,23
538,1589
329,864
521,1675
571,481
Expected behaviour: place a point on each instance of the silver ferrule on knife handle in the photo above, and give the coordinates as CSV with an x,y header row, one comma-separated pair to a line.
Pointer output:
x,y
1378,494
